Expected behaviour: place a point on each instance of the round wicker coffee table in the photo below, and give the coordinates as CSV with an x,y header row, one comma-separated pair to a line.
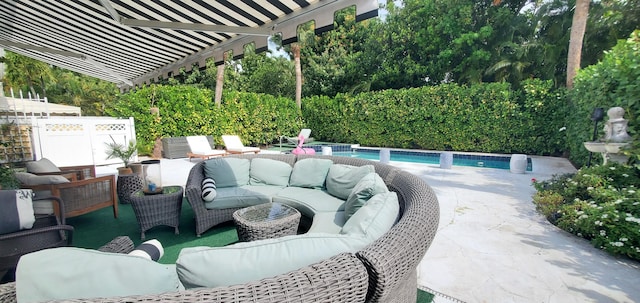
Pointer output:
x,y
264,221
158,209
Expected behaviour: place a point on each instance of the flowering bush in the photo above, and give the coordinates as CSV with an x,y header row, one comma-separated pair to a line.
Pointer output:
x,y
601,204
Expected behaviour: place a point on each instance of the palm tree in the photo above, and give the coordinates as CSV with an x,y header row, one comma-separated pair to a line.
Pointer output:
x,y
578,28
295,48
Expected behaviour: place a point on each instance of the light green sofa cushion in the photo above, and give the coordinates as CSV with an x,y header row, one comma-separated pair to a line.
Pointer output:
x,y
374,218
228,172
369,186
69,272
242,196
309,201
327,222
342,178
251,261
310,173
269,172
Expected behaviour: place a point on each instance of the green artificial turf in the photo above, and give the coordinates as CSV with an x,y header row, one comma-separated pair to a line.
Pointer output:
x,y
94,229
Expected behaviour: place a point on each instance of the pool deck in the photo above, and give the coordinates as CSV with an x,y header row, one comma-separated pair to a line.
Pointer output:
x,y
492,245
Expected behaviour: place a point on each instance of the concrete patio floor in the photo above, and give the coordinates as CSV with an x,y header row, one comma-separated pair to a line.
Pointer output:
x,y
492,245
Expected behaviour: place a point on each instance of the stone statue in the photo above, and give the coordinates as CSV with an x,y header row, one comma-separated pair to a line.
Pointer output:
x,y
615,129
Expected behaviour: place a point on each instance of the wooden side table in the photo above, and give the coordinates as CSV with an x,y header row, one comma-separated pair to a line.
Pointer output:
x,y
127,185
158,209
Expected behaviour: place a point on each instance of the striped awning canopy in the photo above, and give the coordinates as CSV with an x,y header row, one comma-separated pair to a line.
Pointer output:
x,y
138,41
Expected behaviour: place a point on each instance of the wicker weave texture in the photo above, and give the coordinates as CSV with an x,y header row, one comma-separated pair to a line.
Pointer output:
x,y
160,209
127,185
253,223
340,279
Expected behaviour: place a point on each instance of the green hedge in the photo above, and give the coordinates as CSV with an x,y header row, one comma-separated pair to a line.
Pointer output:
x,y
187,110
611,82
481,118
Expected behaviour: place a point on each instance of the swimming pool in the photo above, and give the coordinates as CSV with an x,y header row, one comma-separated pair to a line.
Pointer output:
x,y
489,161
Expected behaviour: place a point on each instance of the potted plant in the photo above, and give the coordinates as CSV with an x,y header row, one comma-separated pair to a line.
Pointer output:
x,y
122,152
8,179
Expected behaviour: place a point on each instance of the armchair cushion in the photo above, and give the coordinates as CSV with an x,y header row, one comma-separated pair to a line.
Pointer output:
x,y
310,173
43,165
369,186
269,172
17,210
31,179
228,172
342,178
374,218
69,272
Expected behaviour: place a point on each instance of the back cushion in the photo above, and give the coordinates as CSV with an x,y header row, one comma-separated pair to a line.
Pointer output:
x,y
69,272
374,218
31,179
369,186
310,173
228,172
342,178
251,261
43,165
16,210
269,172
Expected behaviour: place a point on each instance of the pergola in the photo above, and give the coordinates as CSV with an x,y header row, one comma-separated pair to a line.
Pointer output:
x,y
136,42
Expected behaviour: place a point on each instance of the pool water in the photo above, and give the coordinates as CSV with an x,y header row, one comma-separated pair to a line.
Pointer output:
x,y
489,161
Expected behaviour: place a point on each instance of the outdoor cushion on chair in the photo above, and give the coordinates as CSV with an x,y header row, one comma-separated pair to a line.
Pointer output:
x,y
234,145
200,148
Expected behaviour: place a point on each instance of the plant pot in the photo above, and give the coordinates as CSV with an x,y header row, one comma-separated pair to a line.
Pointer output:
x,y
124,171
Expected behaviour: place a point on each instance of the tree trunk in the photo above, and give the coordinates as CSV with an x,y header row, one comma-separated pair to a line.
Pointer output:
x,y
296,59
578,28
220,81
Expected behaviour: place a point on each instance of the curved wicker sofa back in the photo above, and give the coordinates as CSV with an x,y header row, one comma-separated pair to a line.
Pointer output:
x,y
391,261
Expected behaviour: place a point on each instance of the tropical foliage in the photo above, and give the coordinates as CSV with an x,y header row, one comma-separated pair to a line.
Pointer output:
x,y
600,204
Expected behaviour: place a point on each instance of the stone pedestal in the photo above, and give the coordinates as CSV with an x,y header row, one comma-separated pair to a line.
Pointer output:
x,y
385,155
446,160
518,164
327,151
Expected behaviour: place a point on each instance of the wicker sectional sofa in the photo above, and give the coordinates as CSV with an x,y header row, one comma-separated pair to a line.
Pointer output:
x,y
382,271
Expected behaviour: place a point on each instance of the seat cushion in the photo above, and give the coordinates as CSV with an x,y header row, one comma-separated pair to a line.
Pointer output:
x,y
43,165
16,210
269,172
228,172
342,178
327,222
251,261
69,272
309,201
310,173
374,218
369,186
243,196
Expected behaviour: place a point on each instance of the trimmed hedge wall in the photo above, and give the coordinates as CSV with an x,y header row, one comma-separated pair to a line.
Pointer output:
x,y
481,118
185,110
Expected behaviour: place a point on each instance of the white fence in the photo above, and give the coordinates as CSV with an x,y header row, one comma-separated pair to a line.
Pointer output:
x,y
70,141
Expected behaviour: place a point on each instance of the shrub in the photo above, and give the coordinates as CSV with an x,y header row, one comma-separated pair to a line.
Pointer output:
x,y
600,203
611,82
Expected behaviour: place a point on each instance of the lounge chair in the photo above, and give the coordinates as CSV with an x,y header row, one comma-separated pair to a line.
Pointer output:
x,y
305,133
200,148
233,145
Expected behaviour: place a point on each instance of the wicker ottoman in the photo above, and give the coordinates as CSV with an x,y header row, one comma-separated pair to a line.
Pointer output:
x,y
264,221
158,209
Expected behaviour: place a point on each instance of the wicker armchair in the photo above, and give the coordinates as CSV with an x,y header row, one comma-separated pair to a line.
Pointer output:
x,y
83,196
48,231
45,167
